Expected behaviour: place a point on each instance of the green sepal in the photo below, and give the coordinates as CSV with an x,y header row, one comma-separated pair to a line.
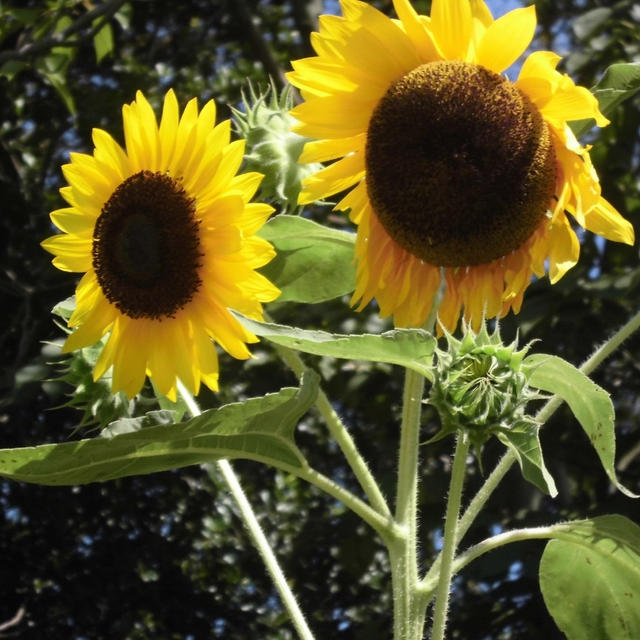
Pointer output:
x,y
524,441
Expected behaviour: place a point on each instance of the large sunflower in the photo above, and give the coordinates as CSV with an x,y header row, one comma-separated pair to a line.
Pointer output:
x,y
165,235
451,168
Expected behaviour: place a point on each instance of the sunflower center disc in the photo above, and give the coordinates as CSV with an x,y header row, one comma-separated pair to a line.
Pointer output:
x,y
459,163
146,247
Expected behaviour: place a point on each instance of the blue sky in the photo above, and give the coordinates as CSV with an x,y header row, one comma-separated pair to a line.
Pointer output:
x,y
498,7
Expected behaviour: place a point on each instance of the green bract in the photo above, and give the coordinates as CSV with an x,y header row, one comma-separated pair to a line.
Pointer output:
x,y
482,389
480,386
272,148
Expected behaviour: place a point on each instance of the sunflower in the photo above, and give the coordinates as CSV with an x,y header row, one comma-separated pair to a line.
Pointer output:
x,y
451,170
165,236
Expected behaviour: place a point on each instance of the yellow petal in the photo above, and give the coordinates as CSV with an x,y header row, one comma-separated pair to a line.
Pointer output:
x,y
73,253
160,364
571,102
71,220
481,12
168,128
604,220
108,152
417,30
323,150
94,326
148,132
506,39
247,184
451,22
333,179
253,217
336,116
564,249
130,357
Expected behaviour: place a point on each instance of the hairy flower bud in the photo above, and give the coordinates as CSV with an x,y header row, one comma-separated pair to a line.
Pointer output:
x,y
272,148
480,386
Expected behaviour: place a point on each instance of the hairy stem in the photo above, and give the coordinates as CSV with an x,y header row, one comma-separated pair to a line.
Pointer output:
x,y
408,619
450,537
341,435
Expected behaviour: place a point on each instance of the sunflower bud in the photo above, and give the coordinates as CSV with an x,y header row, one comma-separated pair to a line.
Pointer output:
x,y
272,148
481,387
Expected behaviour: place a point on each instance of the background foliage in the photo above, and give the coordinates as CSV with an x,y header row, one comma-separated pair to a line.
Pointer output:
x,y
165,556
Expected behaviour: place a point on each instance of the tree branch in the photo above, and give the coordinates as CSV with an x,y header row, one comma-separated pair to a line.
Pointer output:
x,y
260,47
106,10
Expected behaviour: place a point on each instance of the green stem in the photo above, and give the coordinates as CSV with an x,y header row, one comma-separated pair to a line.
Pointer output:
x,y
408,618
255,532
428,587
385,526
341,435
450,536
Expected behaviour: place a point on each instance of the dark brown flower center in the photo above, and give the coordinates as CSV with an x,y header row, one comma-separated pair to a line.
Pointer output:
x,y
460,164
146,247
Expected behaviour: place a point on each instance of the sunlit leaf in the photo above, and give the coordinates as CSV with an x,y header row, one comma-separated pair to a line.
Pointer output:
x,y
411,348
590,579
619,83
313,263
103,42
590,404
258,429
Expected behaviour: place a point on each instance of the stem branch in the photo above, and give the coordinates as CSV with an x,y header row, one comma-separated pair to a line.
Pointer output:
x,y
341,435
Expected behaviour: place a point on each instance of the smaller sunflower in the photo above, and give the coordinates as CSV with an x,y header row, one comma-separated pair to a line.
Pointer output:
x,y
165,235
452,170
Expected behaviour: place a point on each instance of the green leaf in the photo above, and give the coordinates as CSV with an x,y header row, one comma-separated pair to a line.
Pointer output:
x,y
411,348
12,68
103,42
590,404
588,23
590,579
619,83
258,429
313,263
524,441
54,68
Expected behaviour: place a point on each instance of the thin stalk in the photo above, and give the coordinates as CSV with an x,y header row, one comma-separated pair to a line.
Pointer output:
x,y
408,621
450,537
255,532
385,526
341,435
428,587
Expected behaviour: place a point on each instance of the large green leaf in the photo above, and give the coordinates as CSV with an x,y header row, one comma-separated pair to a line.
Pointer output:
x,y
258,429
590,404
590,579
313,263
619,83
411,348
